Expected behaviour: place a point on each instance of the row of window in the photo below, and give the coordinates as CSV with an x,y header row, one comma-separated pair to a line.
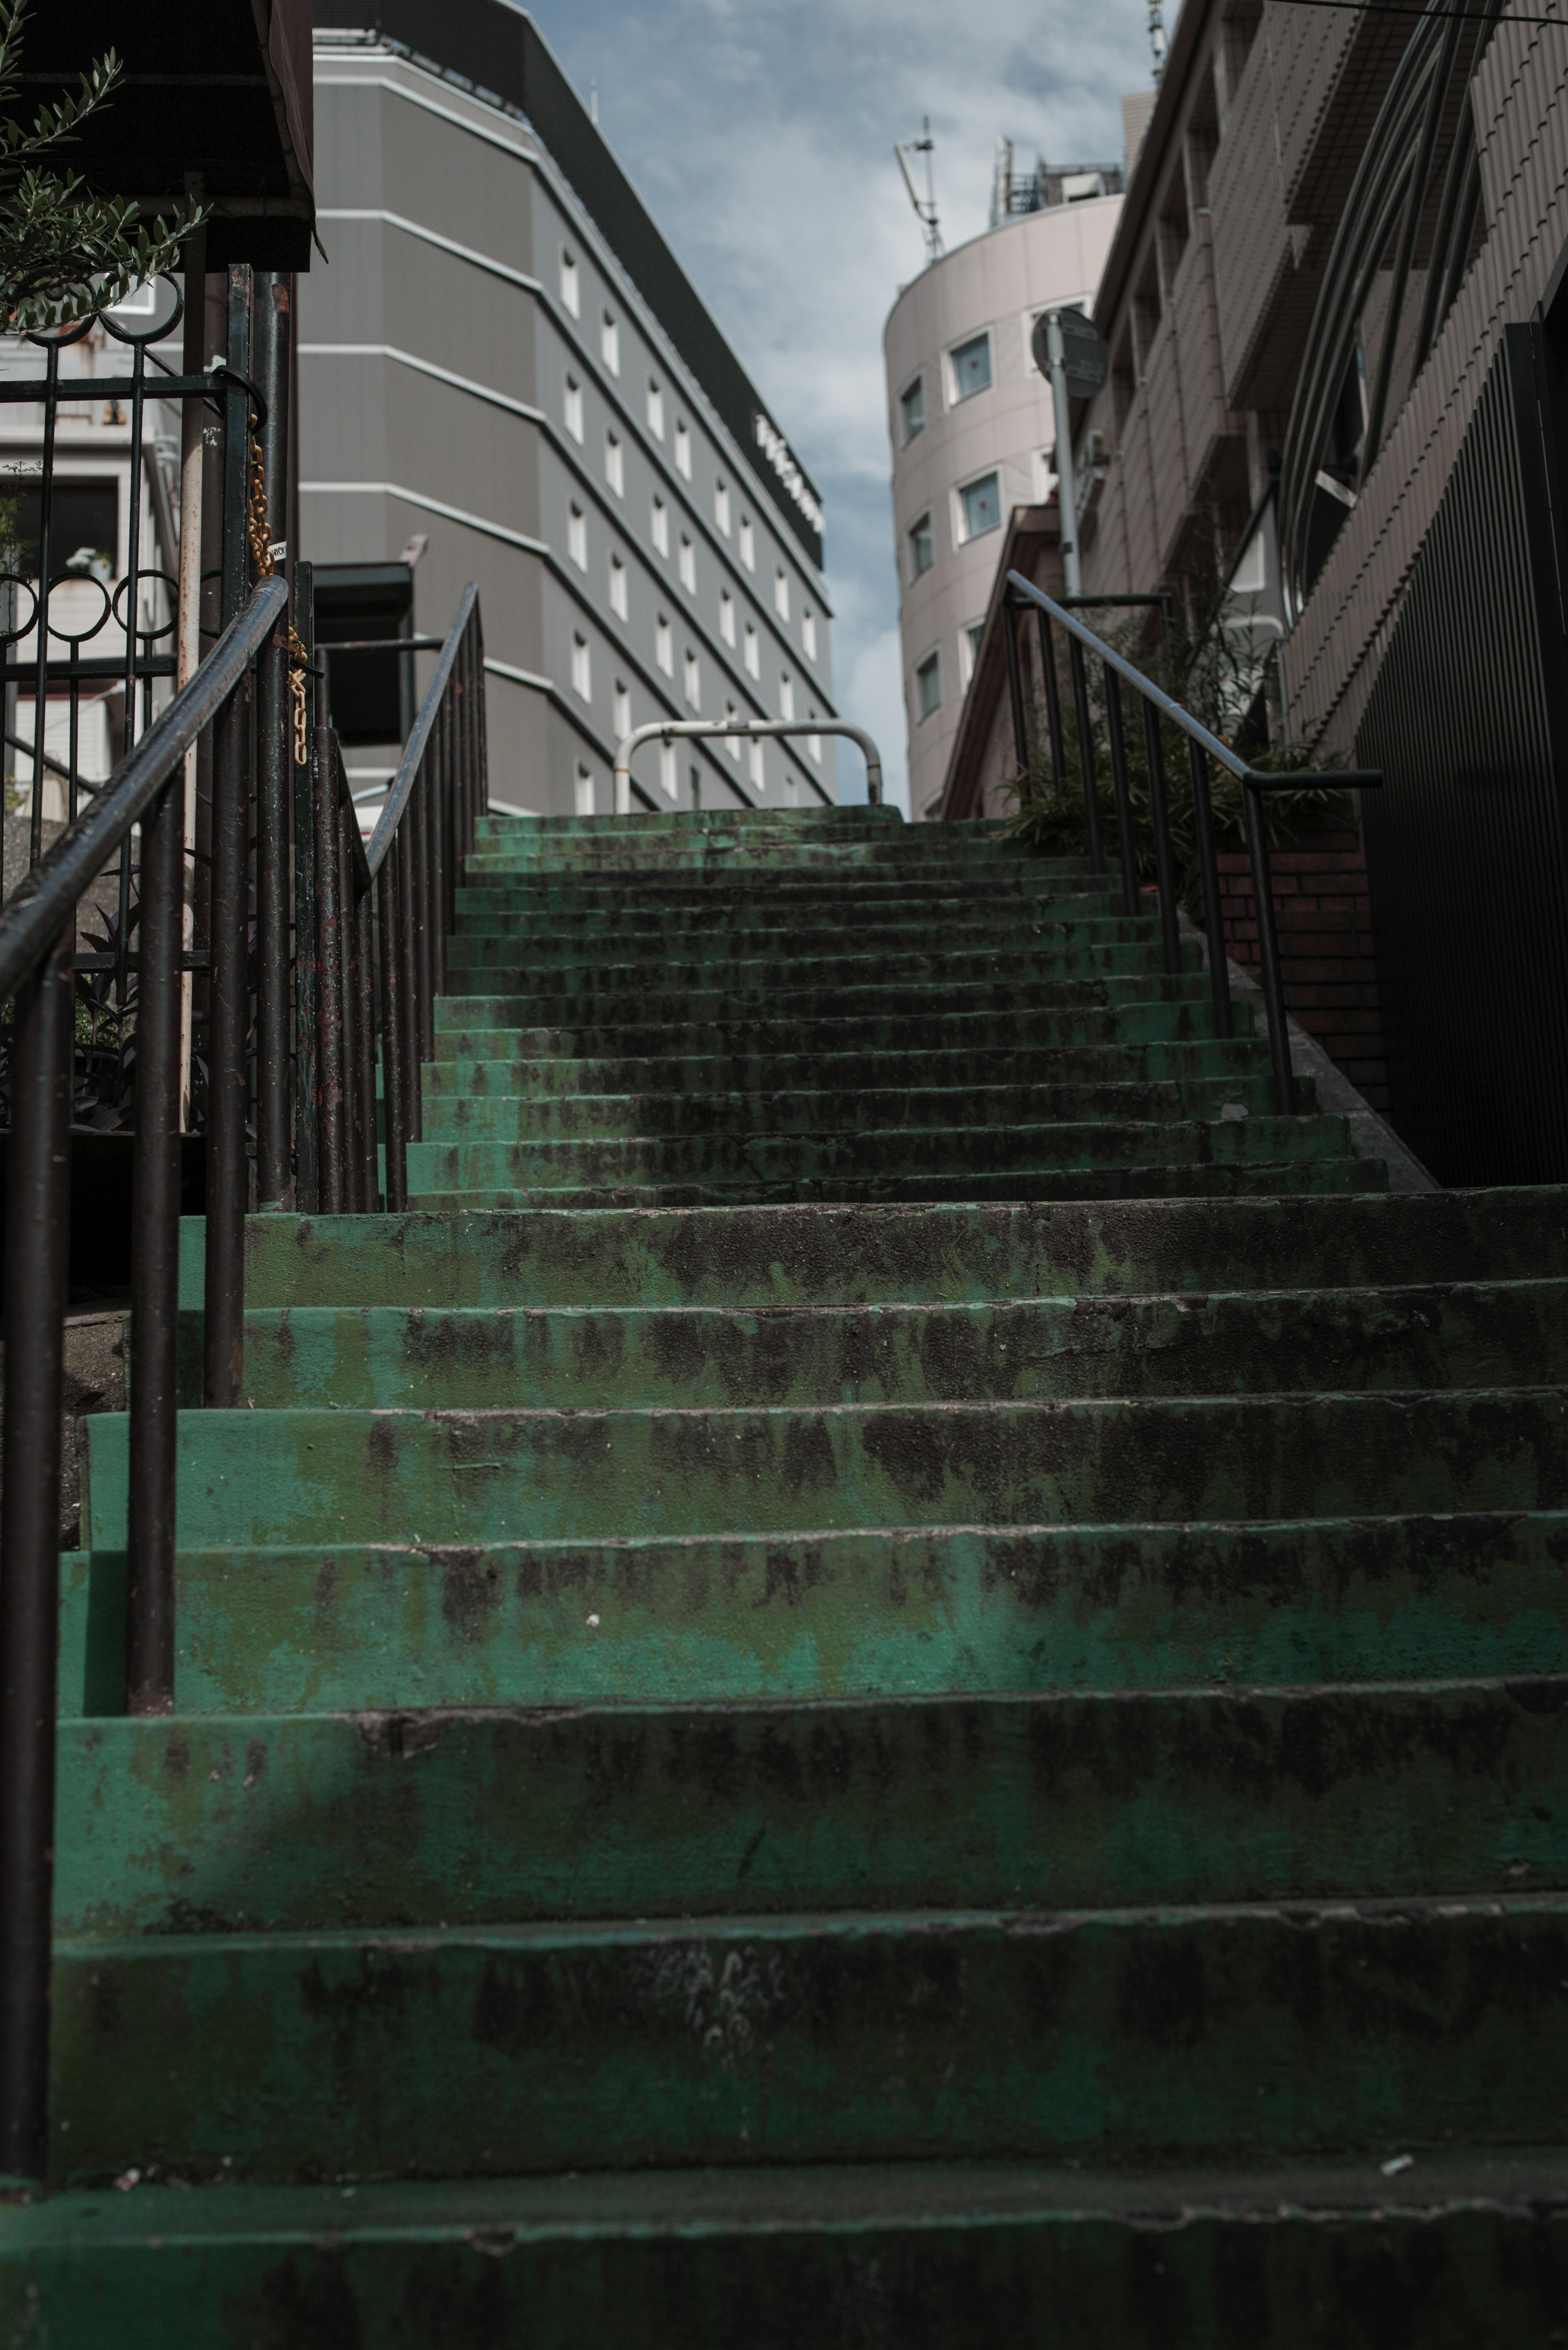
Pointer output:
x,y
587,795
968,372
690,680
659,518
748,641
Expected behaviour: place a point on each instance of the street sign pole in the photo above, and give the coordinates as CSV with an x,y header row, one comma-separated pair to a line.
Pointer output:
x,y
1066,487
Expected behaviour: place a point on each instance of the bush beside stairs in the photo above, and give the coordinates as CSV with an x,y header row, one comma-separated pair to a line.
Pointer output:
x,y
893,1674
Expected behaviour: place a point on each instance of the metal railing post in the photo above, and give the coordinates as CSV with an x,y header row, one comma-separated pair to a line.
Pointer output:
x,y
37,1196
228,1167
329,974
1015,684
1086,752
270,331
1165,864
1209,871
155,1266
394,1080
1127,839
1269,956
306,1080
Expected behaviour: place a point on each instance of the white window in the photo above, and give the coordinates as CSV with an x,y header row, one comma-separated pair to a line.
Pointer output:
x,y
921,553
577,537
661,524
582,669
754,766
615,463
753,659
610,341
570,298
808,632
667,777
928,685
691,679
813,741
726,615
912,408
618,587
748,544
664,645
682,448
786,694
980,503
971,365
968,649
622,710
688,565
721,506
573,408
780,592
584,795
655,409
732,742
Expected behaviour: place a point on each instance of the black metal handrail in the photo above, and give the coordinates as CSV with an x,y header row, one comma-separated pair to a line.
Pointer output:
x,y
1158,708
37,932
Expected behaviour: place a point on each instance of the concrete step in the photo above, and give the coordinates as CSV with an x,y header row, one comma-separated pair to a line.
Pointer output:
x,y
1232,2032
1252,1342
259,1822
477,964
805,1618
491,1116
1464,2247
823,1255
294,1476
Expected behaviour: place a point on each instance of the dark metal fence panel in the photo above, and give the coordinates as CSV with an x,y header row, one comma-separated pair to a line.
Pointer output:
x,y
1465,846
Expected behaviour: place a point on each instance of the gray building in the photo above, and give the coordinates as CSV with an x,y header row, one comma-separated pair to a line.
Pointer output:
x,y
506,376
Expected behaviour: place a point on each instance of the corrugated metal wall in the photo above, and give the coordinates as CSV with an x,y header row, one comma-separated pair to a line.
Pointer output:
x,y
1466,843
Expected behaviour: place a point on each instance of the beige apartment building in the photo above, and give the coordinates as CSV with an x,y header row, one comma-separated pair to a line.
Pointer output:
x,y
970,421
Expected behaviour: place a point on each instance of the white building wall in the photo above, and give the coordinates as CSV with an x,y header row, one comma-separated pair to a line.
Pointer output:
x,y
995,286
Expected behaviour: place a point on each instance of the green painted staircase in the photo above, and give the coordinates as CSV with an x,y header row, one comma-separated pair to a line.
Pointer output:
x,y
894,1674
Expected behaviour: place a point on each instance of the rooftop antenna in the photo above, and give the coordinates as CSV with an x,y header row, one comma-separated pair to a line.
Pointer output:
x,y
926,209
1157,39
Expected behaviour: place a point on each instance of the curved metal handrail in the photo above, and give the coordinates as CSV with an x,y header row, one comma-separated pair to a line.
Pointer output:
x,y
46,899
392,816
1257,779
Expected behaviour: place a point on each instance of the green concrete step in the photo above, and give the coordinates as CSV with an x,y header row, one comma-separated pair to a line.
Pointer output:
x,y
495,1027
867,1153
473,961
812,1255
1004,1611
1238,1060
804,999
1462,2248
1234,2033
963,920
281,1824
1261,1178
486,1116
254,1479
484,1358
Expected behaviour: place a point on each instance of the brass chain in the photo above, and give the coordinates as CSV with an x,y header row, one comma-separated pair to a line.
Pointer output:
x,y
258,530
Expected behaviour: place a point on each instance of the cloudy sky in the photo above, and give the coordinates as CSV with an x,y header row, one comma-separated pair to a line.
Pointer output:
x,y
760,134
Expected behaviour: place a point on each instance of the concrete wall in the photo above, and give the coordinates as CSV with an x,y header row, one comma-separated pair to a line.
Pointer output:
x,y
997,284
439,347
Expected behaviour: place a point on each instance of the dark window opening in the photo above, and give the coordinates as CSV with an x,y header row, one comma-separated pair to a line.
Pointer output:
x,y
84,528
372,693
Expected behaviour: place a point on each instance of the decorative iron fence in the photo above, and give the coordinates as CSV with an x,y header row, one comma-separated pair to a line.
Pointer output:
x,y
324,955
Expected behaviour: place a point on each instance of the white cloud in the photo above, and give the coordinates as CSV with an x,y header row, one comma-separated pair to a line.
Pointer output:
x,y
761,137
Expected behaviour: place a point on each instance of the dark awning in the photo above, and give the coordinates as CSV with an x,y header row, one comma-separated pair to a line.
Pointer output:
x,y
218,88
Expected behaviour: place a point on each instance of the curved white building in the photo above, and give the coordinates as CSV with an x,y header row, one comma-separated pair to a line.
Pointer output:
x,y
970,417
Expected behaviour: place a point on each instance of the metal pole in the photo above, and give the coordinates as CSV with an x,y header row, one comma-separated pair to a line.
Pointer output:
x,y
1269,956
270,321
1131,895
192,417
394,1084
329,974
155,1266
37,1196
1086,752
406,848
363,1017
1208,868
1067,486
228,1169
306,1079
1015,685
1165,866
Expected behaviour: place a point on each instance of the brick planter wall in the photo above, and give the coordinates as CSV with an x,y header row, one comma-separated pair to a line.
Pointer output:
x,y
1324,920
